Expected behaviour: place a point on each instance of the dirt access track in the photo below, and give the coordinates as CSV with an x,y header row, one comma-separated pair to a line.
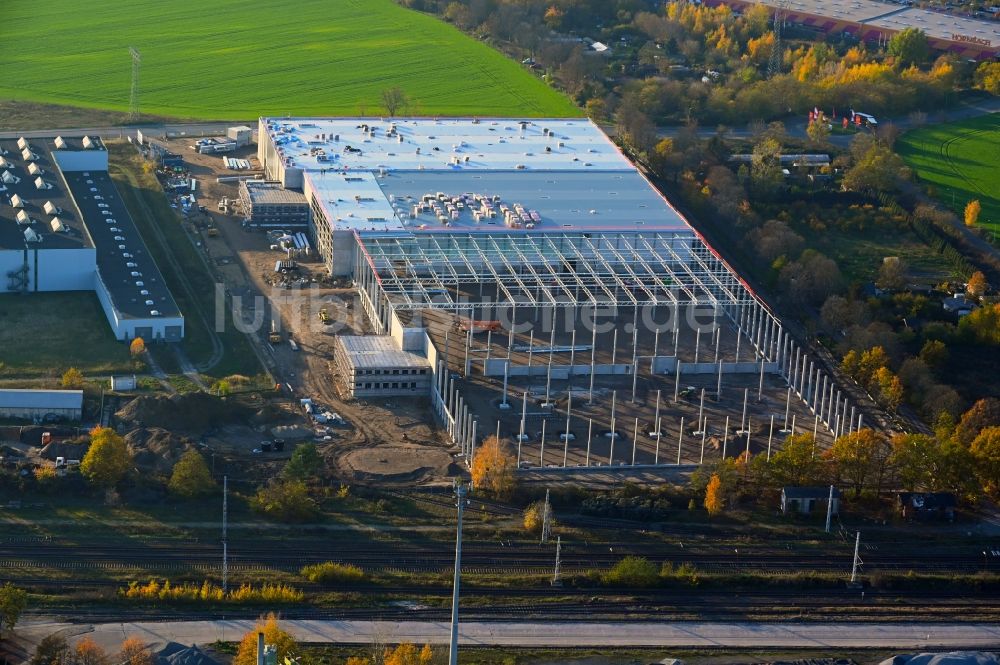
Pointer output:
x,y
390,439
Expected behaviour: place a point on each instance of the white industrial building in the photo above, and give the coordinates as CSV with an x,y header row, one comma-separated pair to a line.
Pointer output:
x,y
454,227
69,230
373,366
41,405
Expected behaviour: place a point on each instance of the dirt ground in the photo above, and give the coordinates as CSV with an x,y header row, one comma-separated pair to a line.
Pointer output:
x,y
398,430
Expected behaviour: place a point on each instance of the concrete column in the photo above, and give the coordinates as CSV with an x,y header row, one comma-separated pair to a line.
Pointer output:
x,y
808,383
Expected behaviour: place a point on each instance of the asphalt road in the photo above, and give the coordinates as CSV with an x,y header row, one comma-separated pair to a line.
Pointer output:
x,y
192,129
631,634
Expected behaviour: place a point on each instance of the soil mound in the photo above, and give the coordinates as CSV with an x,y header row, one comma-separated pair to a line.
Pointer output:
x,y
156,450
194,412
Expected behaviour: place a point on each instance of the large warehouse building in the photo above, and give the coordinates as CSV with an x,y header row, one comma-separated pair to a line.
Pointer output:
x,y
874,21
64,227
491,247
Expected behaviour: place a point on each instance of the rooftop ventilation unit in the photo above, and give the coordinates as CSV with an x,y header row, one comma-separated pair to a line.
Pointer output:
x,y
30,235
16,201
61,143
89,143
35,169
22,143
41,184
23,217
50,208
28,156
57,225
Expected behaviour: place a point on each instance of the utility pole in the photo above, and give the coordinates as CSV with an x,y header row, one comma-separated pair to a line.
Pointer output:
x,y
460,493
133,100
225,525
546,519
555,573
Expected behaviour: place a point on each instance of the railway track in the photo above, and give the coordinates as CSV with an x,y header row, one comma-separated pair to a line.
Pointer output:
x,y
478,558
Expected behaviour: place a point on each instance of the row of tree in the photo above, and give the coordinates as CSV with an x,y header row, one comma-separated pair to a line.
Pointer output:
x,y
963,459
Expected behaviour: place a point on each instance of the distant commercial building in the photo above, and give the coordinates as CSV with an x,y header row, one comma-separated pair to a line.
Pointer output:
x,y
374,366
64,227
39,405
871,21
269,205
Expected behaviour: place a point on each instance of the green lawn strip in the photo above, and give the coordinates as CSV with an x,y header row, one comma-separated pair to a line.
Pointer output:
x,y
42,334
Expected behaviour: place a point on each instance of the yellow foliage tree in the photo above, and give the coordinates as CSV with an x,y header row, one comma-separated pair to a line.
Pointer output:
x,y
493,468
88,652
408,654
137,347
72,379
977,285
534,515
713,495
246,654
191,477
134,652
972,210
107,460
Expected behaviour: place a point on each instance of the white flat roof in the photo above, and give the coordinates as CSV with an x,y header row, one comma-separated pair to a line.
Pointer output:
x,y
429,144
566,174
353,201
376,351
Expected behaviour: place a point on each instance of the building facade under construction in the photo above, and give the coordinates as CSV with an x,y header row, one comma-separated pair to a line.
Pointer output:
x,y
531,263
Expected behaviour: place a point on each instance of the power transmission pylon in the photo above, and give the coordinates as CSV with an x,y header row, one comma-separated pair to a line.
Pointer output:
x,y
774,62
133,102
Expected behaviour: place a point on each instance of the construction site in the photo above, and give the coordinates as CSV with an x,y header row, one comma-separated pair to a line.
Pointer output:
x,y
559,300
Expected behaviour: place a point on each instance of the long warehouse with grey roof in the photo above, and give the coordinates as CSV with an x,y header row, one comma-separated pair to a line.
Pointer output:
x,y
65,227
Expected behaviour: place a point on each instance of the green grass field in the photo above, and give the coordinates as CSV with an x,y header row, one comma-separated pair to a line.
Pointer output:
x,y
228,59
43,334
960,161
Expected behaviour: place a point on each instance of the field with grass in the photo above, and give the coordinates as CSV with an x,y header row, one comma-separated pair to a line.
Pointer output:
x,y
226,59
43,334
959,161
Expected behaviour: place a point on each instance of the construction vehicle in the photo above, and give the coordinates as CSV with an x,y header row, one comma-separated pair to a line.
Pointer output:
x,y
274,337
324,316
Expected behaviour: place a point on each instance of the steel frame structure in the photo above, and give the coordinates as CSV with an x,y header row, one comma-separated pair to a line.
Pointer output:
x,y
621,269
